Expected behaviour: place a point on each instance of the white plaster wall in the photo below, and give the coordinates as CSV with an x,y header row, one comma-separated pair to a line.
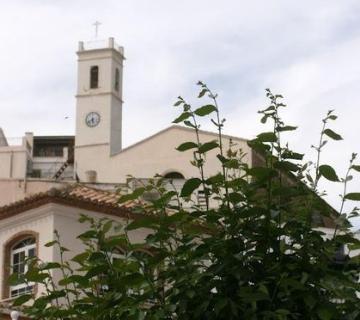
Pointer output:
x,y
94,135
116,126
12,190
13,161
102,58
155,155
67,224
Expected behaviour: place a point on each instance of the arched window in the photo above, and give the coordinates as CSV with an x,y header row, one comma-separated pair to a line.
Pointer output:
x,y
117,80
17,250
174,175
94,77
19,253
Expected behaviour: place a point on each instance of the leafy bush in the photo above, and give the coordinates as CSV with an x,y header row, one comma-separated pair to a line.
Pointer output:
x,y
258,254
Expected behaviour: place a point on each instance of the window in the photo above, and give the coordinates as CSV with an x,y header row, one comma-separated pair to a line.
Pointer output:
x,y
94,77
117,80
19,253
47,150
201,198
17,250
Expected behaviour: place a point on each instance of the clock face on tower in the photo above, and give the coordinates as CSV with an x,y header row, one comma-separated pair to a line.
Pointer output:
x,y
92,119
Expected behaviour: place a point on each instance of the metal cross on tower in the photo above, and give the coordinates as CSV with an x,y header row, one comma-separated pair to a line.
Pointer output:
x,y
96,24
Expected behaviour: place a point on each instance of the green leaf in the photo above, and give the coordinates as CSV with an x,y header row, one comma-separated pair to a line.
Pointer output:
x,y
145,222
51,243
15,278
49,265
132,196
182,117
264,118
267,137
236,197
107,226
232,164
189,187
81,257
220,304
189,124
187,146
355,167
216,179
178,103
22,299
34,275
328,172
205,110
286,128
115,242
202,92
332,134
292,155
90,234
355,196
208,146
325,313
75,278
286,165
262,173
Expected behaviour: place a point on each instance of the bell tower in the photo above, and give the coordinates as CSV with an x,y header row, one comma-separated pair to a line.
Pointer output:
x,y
98,104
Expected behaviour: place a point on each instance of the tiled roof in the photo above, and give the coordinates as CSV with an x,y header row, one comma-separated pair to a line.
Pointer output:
x,y
77,195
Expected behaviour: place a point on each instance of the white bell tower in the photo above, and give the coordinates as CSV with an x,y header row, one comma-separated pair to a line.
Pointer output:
x,y
98,105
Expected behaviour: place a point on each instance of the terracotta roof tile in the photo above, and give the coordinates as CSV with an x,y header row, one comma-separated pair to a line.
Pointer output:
x,y
76,195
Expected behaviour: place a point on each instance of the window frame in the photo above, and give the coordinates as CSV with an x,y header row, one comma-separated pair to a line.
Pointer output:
x,y
26,287
7,263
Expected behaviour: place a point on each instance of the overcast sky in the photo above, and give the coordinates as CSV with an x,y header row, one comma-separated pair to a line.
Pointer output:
x,y
309,51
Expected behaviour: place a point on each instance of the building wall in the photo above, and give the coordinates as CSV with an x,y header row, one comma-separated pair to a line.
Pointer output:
x,y
12,190
13,162
44,221
155,155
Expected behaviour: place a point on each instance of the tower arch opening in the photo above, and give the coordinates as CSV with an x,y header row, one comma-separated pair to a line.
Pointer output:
x,y
94,77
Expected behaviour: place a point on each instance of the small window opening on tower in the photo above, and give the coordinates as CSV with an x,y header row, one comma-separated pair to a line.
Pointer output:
x,y
94,77
117,79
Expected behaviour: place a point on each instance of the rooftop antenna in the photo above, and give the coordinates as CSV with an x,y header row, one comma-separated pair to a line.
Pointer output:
x,y
96,24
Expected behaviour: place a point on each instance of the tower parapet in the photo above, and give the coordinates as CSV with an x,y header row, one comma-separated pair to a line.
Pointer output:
x,y
100,44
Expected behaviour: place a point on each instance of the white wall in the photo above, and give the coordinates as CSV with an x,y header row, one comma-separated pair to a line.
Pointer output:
x,y
155,155
13,162
45,220
12,190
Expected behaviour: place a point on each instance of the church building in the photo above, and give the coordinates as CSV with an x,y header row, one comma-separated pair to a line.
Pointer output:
x,y
95,155
47,181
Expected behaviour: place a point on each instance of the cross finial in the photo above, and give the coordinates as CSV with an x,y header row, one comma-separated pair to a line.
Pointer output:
x,y
96,24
